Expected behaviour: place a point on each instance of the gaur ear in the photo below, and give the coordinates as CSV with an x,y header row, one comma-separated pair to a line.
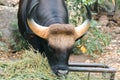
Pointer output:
x,y
39,30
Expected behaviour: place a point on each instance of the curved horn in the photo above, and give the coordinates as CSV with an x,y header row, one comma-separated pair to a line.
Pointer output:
x,y
82,29
114,2
40,31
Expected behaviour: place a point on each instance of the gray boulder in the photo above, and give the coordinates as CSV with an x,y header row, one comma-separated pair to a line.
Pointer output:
x,y
8,20
9,2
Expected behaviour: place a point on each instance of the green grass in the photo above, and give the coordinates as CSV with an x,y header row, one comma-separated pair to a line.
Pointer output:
x,y
32,66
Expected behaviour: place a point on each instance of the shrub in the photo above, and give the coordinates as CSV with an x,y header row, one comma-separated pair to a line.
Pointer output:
x,y
95,40
17,42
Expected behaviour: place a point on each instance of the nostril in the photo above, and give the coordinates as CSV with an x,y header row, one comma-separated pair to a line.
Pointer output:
x,y
62,72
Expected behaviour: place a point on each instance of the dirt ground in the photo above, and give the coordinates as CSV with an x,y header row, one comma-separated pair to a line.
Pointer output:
x,y
111,54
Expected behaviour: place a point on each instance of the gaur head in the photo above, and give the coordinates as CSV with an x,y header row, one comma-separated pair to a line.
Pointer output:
x,y
61,38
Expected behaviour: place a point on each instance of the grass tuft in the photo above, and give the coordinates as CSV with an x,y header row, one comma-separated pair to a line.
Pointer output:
x,y
32,66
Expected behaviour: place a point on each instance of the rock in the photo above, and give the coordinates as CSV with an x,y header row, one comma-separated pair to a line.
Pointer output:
x,y
109,7
8,18
116,17
9,2
103,20
117,30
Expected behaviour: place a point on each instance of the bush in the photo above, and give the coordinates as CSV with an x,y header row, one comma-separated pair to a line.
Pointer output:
x,y
17,42
95,40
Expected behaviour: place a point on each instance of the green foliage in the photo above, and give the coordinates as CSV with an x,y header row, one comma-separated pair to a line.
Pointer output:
x,y
32,66
95,40
88,2
118,3
76,7
17,42
74,11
